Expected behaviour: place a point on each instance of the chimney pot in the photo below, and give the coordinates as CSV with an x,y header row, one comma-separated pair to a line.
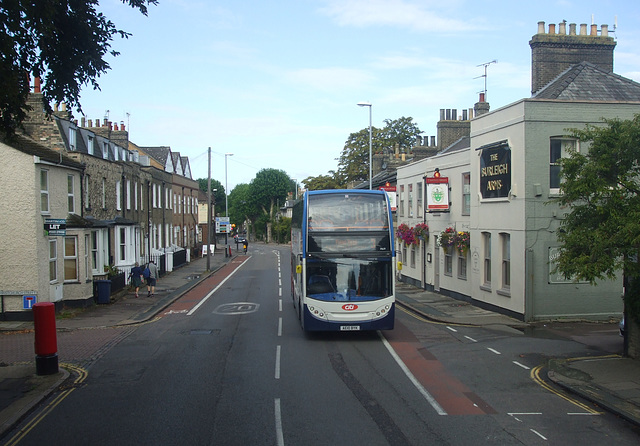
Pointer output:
x,y
448,117
572,29
454,114
594,30
97,123
36,84
464,115
442,114
82,121
540,27
481,97
604,30
583,29
552,28
562,28
433,141
90,122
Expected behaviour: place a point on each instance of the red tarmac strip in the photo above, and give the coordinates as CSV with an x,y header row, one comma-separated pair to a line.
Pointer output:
x,y
452,395
193,297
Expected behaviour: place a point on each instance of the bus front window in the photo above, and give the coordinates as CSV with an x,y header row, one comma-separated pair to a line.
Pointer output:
x,y
349,279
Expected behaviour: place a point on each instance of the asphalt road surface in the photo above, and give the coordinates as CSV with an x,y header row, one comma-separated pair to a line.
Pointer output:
x,y
228,364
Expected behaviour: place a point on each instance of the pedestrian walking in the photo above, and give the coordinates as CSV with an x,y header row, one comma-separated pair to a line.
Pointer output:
x,y
153,277
136,277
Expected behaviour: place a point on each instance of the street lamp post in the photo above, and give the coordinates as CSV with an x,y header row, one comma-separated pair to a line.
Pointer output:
x,y
368,104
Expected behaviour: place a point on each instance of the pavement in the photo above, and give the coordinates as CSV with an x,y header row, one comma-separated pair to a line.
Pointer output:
x,y
610,381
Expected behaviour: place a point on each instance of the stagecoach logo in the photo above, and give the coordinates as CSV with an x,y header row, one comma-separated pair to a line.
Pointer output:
x,y
349,307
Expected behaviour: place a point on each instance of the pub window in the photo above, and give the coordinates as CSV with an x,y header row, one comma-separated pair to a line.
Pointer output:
x,y
419,193
486,238
462,266
402,200
558,148
505,241
466,193
410,200
448,262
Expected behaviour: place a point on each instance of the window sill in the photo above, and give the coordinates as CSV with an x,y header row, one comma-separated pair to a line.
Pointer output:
x,y
504,292
486,287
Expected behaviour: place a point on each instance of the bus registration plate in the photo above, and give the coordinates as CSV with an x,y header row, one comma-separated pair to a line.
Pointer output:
x,y
349,328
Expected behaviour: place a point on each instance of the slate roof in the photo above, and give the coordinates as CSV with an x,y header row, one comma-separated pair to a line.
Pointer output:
x,y
160,154
31,147
586,82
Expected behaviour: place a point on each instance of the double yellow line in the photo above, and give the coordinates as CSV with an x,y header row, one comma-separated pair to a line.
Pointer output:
x,y
81,375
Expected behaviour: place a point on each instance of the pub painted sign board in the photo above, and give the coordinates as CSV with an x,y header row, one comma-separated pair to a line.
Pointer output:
x,y
495,172
437,194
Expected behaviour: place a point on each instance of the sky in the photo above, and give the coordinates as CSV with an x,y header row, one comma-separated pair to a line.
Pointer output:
x,y
277,84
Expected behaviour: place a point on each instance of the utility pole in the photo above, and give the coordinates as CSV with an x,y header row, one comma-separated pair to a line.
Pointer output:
x,y
209,215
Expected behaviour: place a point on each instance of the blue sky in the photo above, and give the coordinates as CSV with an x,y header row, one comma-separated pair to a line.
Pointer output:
x,y
277,83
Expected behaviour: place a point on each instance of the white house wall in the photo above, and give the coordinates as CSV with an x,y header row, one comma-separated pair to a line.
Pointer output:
x,y
527,216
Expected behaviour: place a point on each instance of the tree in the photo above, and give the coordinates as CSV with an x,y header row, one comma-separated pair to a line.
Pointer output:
x,y
353,164
269,188
241,206
218,197
322,182
62,42
401,132
600,233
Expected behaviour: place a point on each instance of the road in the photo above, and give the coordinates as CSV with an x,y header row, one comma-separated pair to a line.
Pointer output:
x,y
227,364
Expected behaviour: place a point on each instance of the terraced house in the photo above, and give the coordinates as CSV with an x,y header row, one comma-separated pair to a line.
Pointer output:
x,y
115,202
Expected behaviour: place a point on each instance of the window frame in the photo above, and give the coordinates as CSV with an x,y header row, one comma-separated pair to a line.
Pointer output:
x,y
53,260
71,196
567,145
70,259
44,192
486,274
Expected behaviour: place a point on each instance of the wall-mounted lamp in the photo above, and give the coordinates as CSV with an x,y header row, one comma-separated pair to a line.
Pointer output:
x,y
428,257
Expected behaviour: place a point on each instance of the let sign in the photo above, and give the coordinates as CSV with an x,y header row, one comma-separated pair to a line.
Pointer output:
x,y
55,226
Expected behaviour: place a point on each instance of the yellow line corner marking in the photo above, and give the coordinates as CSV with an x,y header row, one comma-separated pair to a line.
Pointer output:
x,y
81,376
535,375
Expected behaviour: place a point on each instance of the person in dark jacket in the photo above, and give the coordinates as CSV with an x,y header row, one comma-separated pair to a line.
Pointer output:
x,y
136,277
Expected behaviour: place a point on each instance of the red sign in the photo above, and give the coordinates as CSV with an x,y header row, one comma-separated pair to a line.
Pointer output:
x,y
349,307
388,188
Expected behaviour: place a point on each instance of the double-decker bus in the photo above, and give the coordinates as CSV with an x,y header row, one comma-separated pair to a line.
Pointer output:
x,y
343,261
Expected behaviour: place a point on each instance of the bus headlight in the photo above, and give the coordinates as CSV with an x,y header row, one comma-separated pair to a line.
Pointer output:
x,y
382,311
317,312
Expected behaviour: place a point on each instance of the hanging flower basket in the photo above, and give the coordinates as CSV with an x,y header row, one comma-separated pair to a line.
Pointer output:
x,y
406,234
463,242
421,231
447,238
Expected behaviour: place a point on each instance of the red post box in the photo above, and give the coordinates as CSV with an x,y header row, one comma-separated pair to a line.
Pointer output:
x,y
45,343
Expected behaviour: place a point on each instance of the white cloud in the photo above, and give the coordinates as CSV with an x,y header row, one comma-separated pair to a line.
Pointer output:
x,y
398,13
331,78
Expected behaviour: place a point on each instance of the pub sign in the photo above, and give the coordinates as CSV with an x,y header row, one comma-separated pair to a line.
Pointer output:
x,y
495,172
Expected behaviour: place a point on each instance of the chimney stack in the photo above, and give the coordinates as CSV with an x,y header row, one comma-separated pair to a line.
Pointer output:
x,y
552,53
